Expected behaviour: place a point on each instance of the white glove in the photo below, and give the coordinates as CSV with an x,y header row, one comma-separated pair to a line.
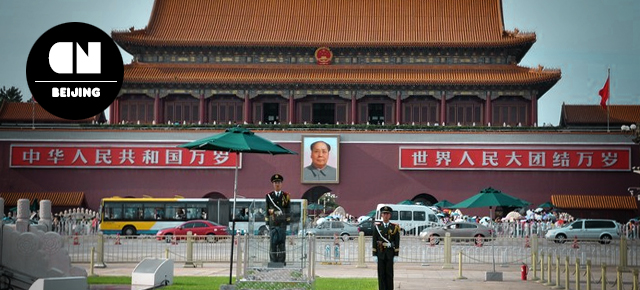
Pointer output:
x,y
395,259
375,259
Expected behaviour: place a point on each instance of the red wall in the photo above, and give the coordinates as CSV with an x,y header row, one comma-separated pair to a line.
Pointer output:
x,y
369,175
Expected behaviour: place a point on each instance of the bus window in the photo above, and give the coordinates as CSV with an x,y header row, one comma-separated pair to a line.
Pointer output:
x,y
132,211
151,211
113,211
405,215
180,215
159,213
242,214
258,214
394,215
193,211
419,216
203,213
175,212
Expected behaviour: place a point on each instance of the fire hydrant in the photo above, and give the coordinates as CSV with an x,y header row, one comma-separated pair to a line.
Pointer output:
x,y
523,271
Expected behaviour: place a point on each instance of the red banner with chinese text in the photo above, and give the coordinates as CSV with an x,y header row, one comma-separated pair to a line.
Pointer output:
x,y
515,158
115,156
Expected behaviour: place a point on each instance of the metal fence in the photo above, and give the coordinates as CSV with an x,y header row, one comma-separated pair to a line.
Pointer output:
x,y
504,251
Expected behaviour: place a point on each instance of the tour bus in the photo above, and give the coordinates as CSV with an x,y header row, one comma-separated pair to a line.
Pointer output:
x,y
412,218
148,215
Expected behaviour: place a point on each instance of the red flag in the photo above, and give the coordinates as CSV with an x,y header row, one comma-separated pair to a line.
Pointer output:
x,y
604,94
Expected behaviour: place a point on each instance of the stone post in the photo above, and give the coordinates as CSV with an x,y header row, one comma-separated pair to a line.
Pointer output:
x,y
46,218
22,216
189,263
447,252
100,252
1,208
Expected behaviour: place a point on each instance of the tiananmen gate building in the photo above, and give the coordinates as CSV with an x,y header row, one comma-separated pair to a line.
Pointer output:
x,y
428,100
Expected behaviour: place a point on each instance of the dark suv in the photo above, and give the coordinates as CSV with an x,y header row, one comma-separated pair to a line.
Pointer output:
x,y
366,227
587,229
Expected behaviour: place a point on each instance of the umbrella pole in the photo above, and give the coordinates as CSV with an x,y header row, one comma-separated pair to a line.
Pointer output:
x,y
233,217
493,249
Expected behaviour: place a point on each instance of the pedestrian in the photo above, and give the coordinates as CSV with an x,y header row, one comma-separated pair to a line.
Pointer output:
x,y
386,247
278,217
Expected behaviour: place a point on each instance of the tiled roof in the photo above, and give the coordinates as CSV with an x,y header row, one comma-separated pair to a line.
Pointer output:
x,y
28,112
56,198
596,115
575,201
333,23
338,74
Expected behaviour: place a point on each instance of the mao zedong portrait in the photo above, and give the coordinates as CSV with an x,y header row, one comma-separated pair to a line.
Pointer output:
x,y
319,170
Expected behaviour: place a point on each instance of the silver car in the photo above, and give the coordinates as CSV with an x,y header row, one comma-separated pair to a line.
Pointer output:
x,y
458,229
587,229
334,228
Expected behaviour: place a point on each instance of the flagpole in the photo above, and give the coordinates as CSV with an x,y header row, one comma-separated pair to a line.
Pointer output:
x,y
608,96
33,113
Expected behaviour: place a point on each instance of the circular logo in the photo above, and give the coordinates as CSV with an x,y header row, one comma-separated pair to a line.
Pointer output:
x,y
323,55
74,71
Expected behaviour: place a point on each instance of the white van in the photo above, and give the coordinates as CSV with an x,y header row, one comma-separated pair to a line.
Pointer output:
x,y
412,218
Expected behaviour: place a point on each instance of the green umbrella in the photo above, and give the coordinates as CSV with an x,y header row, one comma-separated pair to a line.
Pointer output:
x,y
444,204
491,197
238,140
547,204
406,201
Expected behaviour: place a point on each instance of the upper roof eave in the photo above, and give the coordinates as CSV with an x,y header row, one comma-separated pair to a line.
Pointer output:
x,y
341,75
126,41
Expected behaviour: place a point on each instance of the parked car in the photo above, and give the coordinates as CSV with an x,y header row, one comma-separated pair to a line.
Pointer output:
x,y
332,228
202,228
458,229
603,230
366,227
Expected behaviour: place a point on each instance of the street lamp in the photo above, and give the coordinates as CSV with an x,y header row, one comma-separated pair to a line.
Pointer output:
x,y
634,129
327,195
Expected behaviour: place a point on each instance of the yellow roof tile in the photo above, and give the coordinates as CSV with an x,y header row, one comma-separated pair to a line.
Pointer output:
x,y
338,74
334,23
56,198
576,201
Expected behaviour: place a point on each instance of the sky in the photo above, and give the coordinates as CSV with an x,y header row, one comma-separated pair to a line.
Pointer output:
x,y
582,38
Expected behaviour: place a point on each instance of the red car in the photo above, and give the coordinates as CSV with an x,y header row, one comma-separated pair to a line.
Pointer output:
x,y
200,228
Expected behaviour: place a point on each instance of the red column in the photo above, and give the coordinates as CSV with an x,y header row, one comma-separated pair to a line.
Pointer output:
x,y
398,108
156,108
443,108
292,109
112,111
487,115
203,115
534,110
247,109
354,109
116,111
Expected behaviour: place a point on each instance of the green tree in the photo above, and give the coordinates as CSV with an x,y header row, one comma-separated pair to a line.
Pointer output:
x,y
12,95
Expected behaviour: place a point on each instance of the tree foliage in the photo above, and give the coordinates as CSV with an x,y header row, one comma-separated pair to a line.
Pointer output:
x,y
12,95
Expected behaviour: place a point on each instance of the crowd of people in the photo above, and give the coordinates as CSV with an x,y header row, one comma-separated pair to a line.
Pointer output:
x,y
77,221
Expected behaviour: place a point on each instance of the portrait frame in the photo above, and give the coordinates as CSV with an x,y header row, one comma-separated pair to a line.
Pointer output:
x,y
331,173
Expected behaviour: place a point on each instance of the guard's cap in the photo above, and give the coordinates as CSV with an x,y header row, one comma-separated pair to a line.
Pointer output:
x,y
277,177
386,208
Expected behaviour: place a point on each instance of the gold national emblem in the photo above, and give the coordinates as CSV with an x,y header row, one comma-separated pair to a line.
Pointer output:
x,y
323,55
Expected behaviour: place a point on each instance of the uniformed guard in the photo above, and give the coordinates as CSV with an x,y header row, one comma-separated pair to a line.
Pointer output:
x,y
386,247
278,217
